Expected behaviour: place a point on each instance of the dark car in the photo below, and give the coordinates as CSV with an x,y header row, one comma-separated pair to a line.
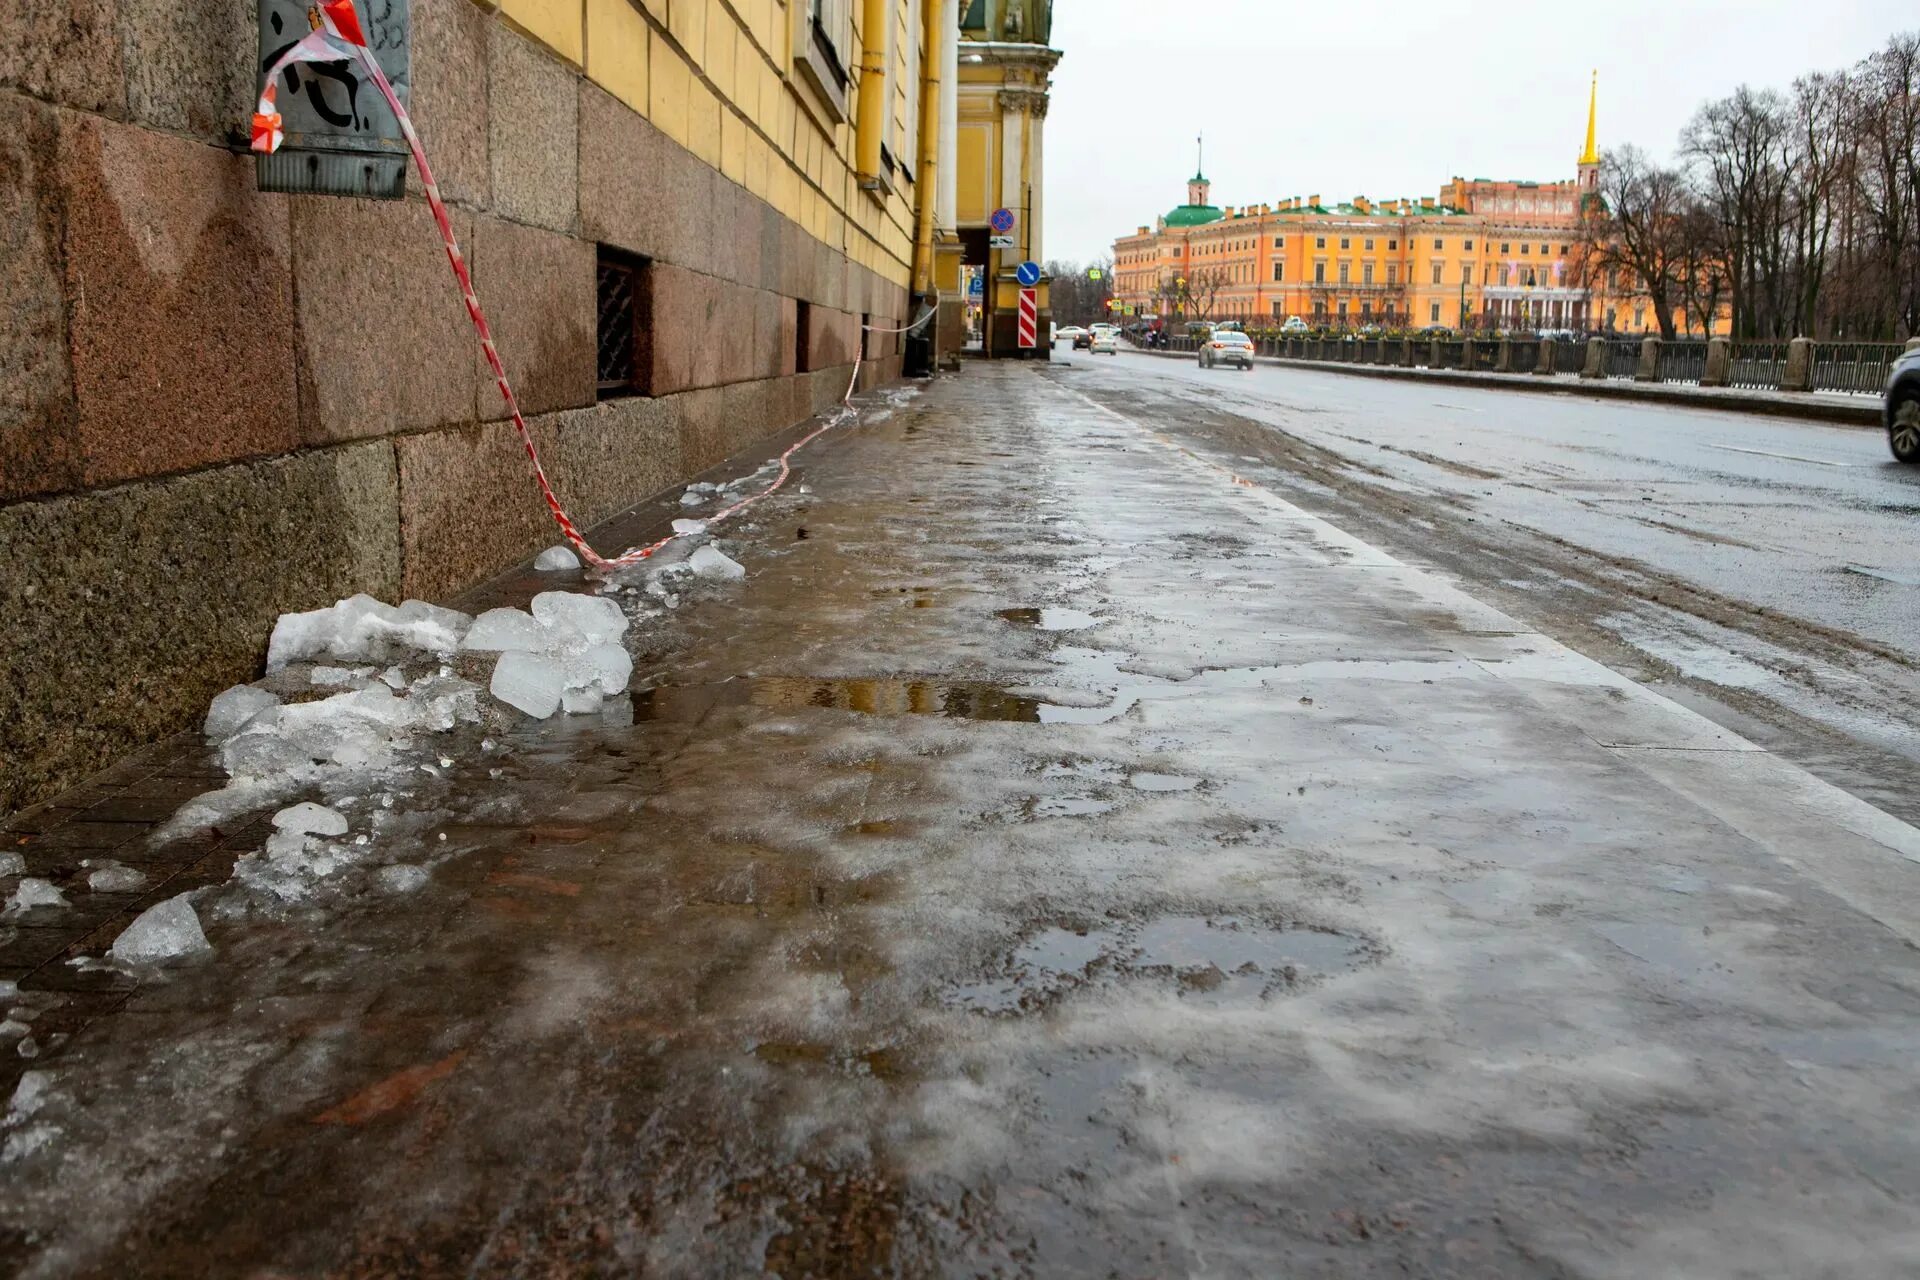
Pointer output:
x,y
1903,407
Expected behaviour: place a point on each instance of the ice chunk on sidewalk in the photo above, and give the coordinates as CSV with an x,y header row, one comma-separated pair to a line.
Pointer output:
x,y
686,528
363,628
710,562
34,892
12,863
400,878
308,818
500,630
107,876
586,620
234,707
554,558
166,931
530,682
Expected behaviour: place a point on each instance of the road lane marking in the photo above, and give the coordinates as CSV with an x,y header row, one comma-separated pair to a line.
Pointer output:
x,y
1790,457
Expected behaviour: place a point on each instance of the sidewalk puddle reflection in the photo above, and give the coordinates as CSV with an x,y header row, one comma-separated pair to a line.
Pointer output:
x,y
965,700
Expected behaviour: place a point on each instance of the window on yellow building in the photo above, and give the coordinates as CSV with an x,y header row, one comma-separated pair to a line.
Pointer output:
x,y
1437,268
1366,273
1503,273
1392,246
1343,313
1279,242
1469,246
1319,273
1466,273
1393,273
1526,248
1505,249
1369,246
1319,242
1433,313
1279,310
1345,243
1344,268
1438,245
1278,268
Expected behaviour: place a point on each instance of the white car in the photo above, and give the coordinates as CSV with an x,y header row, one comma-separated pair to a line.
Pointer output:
x,y
1226,346
1294,324
1107,340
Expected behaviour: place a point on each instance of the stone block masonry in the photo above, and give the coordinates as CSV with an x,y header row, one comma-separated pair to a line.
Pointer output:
x,y
217,405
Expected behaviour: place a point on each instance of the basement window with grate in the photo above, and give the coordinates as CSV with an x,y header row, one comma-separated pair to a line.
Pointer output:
x,y
623,365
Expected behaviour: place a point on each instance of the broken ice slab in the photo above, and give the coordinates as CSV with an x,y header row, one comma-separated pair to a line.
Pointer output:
x,y
584,619
233,708
503,629
556,558
361,627
108,876
308,818
688,527
166,931
529,682
33,893
710,562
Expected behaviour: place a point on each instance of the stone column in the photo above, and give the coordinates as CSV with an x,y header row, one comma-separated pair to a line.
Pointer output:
x,y
1503,359
1596,365
1543,363
1913,344
1649,368
1433,353
1799,374
1719,370
946,209
1468,350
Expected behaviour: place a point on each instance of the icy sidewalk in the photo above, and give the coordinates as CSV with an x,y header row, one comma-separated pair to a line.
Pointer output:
x,y
1054,855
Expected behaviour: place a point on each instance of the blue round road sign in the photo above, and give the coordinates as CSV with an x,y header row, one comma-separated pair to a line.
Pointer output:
x,y
1028,274
1002,220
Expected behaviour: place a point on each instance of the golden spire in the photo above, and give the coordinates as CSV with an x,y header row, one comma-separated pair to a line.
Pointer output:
x,y
1591,155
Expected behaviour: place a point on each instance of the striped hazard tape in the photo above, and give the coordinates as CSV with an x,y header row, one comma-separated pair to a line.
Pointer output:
x,y
339,37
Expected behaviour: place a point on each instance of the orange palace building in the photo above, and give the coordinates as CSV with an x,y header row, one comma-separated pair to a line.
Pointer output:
x,y
1484,254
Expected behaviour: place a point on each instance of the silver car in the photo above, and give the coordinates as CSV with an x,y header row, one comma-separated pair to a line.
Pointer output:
x,y
1226,346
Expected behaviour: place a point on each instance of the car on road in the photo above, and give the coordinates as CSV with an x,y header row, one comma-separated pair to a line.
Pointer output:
x,y
1903,407
1107,340
1294,324
1074,334
1227,346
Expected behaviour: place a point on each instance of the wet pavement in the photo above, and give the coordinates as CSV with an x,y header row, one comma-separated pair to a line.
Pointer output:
x,y
1762,570
1061,855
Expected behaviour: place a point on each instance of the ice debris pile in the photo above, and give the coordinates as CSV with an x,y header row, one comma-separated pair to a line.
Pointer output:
x,y
565,654
361,628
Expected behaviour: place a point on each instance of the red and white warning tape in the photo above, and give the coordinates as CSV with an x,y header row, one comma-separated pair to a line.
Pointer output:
x,y
339,37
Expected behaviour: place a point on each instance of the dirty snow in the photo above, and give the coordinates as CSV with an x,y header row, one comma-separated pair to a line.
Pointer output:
x,y
33,893
400,878
166,931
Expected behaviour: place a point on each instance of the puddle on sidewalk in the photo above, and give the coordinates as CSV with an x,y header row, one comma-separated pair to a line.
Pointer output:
x,y
1214,959
1050,618
959,699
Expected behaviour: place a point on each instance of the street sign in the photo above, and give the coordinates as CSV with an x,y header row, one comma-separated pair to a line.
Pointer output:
x,y
1027,273
1029,319
977,287
1000,242
1093,273
1002,220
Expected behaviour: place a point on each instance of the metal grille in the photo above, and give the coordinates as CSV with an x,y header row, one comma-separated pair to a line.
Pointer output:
x,y
615,367
1569,355
1623,357
1853,366
1758,364
1523,355
1682,361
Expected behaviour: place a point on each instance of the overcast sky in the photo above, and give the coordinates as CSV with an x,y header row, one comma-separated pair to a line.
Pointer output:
x,y
1392,98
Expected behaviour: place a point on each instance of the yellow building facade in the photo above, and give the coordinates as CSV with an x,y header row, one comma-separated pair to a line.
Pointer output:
x,y
1481,254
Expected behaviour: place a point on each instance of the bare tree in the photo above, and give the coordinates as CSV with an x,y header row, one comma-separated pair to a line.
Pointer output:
x,y
1636,228
1823,163
1738,147
1078,297
1203,288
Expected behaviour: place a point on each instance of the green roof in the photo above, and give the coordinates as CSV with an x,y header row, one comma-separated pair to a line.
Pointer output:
x,y
1194,215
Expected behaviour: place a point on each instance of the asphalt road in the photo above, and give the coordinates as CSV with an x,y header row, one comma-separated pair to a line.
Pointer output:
x,y
1765,571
